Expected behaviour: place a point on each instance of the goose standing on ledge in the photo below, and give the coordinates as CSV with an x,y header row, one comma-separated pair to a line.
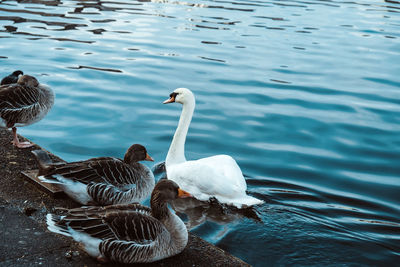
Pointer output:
x,y
217,176
103,180
127,233
24,103
12,78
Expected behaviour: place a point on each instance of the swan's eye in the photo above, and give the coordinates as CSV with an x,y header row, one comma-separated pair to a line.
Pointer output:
x,y
173,95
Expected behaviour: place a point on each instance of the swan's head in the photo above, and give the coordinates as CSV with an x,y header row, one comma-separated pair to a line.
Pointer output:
x,y
180,95
136,153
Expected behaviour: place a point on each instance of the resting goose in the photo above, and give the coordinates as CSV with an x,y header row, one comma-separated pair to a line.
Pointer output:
x,y
12,78
24,103
217,176
103,180
127,233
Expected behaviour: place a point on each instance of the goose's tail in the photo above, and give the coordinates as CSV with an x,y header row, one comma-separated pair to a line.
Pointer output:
x,y
54,225
43,160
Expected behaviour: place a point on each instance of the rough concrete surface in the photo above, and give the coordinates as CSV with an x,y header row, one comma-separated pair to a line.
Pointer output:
x,y
25,241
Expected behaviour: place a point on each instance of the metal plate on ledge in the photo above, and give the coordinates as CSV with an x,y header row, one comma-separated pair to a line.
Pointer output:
x,y
51,189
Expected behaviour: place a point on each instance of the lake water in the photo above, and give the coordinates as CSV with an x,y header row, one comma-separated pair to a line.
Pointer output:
x,y
305,95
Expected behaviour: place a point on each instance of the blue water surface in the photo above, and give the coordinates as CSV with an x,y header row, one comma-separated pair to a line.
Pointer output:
x,y
305,95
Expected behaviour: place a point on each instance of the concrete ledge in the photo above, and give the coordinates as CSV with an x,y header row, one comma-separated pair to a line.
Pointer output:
x,y
25,240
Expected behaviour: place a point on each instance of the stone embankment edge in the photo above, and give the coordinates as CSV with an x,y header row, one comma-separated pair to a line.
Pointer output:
x,y
27,242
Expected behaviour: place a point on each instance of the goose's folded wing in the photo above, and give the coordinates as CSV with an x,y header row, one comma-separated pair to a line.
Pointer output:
x,y
136,227
107,194
95,170
16,99
114,171
141,238
103,222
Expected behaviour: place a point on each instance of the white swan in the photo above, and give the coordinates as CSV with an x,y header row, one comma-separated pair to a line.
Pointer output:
x,y
217,176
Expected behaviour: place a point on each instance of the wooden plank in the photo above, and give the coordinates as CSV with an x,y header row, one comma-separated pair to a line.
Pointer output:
x,y
51,189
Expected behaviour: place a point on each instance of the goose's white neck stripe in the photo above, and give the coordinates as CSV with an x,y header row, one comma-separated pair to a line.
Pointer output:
x,y
176,152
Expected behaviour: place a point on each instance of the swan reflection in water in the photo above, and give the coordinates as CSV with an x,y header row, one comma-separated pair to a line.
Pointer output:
x,y
198,212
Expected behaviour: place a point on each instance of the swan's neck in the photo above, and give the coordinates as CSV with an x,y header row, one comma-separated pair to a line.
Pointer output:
x,y
176,152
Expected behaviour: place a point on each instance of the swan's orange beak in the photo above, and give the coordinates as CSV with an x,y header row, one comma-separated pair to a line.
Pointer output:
x,y
183,194
170,100
148,158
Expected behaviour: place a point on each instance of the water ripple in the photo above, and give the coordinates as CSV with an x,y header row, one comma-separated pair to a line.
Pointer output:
x,y
303,94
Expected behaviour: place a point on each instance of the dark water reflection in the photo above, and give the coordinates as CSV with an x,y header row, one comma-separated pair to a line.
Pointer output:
x,y
198,212
305,95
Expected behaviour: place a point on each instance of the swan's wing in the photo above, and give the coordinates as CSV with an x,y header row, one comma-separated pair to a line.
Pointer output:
x,y
217,175
18,102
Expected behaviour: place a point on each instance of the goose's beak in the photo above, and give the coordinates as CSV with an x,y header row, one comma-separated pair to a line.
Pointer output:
x,y
170,100
148,158
183,194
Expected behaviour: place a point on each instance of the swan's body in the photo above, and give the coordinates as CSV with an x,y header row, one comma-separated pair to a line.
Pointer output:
x,y
217,176
103,180
24,103
127,233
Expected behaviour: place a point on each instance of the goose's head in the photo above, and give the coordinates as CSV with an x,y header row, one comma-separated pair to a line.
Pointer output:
x,y
17,73
167,190
180,95
136,153
28,80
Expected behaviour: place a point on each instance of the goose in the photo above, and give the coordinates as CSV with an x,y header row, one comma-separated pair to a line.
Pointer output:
x,y
103,180
128,233
12,78
213,177
24,103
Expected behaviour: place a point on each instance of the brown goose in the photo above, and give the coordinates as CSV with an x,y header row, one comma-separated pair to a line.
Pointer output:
x,y
12,78
127,233
103,180
24,103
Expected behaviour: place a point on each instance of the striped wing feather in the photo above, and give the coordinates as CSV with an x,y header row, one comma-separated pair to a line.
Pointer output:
x,y
96,170
141,238
136,227
16,101
129,222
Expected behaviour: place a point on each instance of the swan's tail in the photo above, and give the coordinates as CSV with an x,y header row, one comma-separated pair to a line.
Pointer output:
x,y
243,202
251,201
